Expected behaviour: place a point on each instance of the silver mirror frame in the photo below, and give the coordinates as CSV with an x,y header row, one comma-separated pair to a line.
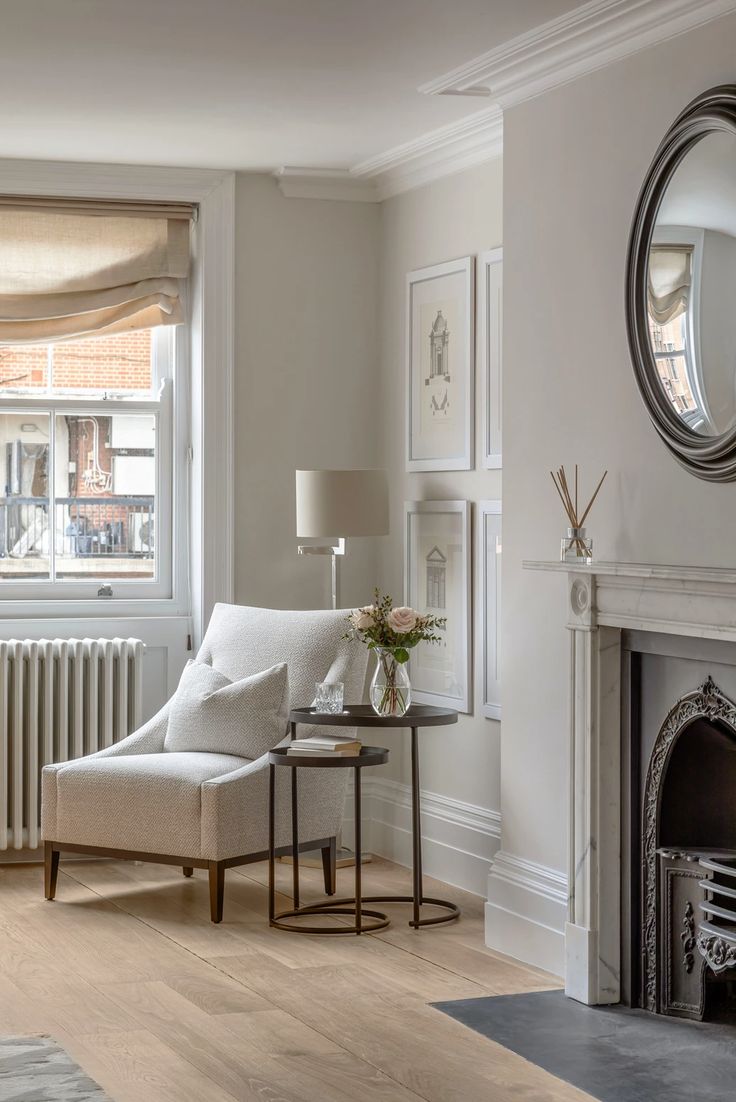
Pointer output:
x,y
710,457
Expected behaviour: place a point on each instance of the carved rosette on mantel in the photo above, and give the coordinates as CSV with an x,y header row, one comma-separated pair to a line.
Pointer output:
x,y
603,600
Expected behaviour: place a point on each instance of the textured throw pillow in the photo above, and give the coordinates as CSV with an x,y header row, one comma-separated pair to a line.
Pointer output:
x,y
211,713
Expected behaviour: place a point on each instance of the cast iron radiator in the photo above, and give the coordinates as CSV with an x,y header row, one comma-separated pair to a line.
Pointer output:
x,y
59,699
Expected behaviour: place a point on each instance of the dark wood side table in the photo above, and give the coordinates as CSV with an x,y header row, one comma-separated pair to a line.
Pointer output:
x,y
418,715
376,920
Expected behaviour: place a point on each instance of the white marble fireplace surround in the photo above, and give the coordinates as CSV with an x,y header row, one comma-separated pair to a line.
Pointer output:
x,y
605,599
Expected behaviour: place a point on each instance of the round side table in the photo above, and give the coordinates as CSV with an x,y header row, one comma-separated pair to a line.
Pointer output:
x,y
366,921
418,715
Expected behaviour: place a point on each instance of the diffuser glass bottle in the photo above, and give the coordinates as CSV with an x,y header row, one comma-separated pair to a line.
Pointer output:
x,y
576,546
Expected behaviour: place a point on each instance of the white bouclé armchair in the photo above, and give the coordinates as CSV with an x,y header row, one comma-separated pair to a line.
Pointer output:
x,y
137,801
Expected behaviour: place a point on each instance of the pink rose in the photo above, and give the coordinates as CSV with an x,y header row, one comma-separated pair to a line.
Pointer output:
x,y
362,618
402,620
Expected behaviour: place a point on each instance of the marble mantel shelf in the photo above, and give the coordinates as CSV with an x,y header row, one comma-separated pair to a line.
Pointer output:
x,y
693,574
697,601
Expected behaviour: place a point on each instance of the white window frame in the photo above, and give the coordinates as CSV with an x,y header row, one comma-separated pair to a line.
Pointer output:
x,y
202,419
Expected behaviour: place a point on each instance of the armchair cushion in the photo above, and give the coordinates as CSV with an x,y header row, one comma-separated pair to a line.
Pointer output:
x,y
209,713
143,802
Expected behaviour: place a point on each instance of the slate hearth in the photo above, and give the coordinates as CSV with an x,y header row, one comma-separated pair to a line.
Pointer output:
x,y
613,1053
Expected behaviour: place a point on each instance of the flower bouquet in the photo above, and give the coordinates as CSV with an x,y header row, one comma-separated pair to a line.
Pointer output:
x,y
391,633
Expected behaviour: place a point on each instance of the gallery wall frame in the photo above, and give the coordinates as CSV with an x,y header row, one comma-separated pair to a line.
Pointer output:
x,y
488,581
437,579
490,333
440,366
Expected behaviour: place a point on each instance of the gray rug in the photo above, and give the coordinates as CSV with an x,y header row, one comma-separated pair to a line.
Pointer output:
x,y
613,1053
36,1069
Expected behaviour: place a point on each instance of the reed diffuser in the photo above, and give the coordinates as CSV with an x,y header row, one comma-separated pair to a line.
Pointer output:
x,y
576,547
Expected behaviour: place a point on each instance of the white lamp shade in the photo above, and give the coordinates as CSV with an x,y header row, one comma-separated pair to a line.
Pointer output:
x,y
341,503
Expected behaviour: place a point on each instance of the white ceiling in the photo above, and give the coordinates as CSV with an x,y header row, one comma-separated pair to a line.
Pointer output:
x,y
240,84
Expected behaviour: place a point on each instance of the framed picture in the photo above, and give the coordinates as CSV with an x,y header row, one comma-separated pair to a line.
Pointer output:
x,y
489,622
489,346
440,349
437,581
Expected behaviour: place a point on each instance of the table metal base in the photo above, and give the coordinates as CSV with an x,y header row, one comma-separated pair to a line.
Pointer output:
x,y
453,911
333,907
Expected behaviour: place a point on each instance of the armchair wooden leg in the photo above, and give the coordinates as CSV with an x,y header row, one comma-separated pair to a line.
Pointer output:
x,y
217,889
50,869
329,866
187,870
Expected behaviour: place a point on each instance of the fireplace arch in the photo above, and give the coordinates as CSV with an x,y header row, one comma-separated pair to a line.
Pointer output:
x,y
708,713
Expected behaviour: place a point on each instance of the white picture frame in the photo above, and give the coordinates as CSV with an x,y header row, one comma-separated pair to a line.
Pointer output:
x,y
437,579
440,366
488,648
490,289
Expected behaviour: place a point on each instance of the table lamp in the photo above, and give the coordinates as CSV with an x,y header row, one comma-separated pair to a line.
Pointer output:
x,y
334,505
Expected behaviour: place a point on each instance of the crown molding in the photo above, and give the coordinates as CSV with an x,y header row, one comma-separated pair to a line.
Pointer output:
x,y
325,183
443,152
579,42
585,39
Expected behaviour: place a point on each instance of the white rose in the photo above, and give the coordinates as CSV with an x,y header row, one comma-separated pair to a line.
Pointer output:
x,y
363,619
402,620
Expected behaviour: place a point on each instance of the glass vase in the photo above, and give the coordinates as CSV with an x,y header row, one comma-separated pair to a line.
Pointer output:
x,y
390,690
576,547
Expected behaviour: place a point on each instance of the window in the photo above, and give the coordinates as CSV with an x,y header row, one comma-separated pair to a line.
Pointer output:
x,y
673,301
86,466
671,354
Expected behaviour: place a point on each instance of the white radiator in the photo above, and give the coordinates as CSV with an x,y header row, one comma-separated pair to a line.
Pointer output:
x,y
59,699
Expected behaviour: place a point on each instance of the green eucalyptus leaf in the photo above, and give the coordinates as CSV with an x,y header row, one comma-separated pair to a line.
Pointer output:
x,y
401,655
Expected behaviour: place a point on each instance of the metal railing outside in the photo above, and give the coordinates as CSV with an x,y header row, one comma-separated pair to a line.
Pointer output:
x,y
86,527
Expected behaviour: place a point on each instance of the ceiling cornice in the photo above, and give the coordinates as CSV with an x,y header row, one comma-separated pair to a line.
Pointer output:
x,y
585,39
579,42
324,183
471,141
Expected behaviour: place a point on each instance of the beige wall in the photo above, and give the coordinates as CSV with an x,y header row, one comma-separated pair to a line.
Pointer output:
x,y
457,216
574,160
320,377
306,381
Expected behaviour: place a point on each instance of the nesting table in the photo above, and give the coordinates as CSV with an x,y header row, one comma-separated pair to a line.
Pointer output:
x,y
358,715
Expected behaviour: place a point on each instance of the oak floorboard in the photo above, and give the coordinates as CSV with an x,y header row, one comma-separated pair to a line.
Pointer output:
x,y
157,1004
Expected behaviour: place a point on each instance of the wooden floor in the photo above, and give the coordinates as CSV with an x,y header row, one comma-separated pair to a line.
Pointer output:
x,y
158,1005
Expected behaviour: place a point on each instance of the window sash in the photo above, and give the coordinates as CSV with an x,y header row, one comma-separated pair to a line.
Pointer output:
x,y
160,586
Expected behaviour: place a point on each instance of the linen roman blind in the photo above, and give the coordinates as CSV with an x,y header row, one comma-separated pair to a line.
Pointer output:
x,y
69,268
669,281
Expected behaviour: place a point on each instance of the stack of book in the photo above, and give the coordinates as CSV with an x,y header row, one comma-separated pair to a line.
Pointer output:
x,y
328,746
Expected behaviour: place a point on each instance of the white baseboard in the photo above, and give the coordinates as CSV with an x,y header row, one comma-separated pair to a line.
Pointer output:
x,y
458,839
526,912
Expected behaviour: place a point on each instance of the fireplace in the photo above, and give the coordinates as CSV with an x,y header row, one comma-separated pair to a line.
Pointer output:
x,y
685,808
650,634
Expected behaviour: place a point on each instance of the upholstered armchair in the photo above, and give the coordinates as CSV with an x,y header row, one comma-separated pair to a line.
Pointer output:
x,y
138,801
